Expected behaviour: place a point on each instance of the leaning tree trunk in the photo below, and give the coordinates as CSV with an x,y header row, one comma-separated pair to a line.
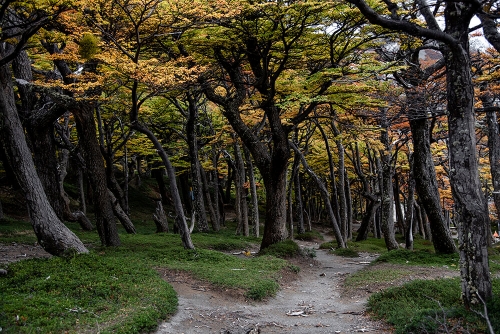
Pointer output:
x,y
180,219
51,233
160,218
426,185
105,219
326,199
121,214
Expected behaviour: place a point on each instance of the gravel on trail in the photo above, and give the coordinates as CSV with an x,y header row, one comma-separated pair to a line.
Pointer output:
x,y
311,303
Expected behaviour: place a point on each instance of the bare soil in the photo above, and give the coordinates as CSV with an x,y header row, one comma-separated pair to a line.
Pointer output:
x,y
313,301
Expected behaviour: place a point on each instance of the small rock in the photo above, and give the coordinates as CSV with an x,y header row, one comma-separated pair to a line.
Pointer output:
x,y
3,272
322,274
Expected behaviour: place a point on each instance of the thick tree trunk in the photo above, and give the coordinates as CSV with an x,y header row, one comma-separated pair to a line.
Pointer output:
x,y
105,219
387,219
427,187
470,204
51,233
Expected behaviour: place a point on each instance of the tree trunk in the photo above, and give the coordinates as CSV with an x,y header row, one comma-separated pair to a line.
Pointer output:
x,y
470,204
105,220
342,201
51,233
254,203
427,187
298,195
160,218
212,208
157,173
192,139
121,215
239,182
387,219
326,198
2,216
410,217
180,219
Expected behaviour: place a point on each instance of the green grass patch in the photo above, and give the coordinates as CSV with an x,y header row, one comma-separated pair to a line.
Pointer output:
x,y
284,249
118,289
12,230
83,293
372,276
420,258
328,245
371,245
346,252
309,236
422,306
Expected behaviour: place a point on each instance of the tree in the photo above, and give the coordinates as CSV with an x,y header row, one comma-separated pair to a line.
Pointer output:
x,y
287,55
18,25
470,204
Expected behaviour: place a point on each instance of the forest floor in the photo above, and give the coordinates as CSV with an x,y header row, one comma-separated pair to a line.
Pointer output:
x,y
314,300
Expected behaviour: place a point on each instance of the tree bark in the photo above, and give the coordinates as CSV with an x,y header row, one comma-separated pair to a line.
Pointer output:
x,y
426,184
470,205
121,215
51,233
197,184
326,198
254,203
105,219
160,218
180,219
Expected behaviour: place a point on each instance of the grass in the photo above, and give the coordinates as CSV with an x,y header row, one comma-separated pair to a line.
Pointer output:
x,y
118,289
423,306
419,257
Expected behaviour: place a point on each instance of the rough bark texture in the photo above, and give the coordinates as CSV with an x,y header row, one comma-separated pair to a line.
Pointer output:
x,y
160,218
105,219
254,203
387,223
192,139
51,233
121,215
427,187
470,204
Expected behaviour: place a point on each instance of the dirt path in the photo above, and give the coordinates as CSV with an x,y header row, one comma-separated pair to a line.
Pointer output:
x,y
310,304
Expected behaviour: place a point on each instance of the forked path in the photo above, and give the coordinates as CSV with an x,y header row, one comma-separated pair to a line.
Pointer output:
x,y
312,303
